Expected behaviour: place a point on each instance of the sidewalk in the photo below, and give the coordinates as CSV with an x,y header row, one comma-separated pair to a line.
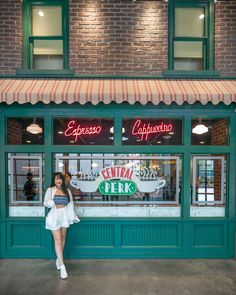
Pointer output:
x,y
119,277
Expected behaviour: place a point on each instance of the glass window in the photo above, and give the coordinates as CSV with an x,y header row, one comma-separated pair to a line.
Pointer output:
x,y
209,131
46,35
190,34
122,179
208,185
83,131
25,183
159,131
25,131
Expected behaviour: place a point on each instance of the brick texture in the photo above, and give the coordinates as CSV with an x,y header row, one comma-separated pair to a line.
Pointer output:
x,y
118,37
225,37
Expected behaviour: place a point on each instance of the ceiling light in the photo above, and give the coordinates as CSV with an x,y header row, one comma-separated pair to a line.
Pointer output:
x,y
200,128
202,142
60,132
41,13
201,16
34,128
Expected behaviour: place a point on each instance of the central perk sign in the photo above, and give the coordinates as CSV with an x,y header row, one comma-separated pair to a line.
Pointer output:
x,y
117,181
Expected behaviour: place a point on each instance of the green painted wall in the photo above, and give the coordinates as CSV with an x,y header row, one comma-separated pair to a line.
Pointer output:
x,y
183,237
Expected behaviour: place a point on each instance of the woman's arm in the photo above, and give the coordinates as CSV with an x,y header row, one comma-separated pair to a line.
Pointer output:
x,y
48,201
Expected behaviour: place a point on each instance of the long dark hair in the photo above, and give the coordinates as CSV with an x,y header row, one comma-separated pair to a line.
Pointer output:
x,y
63,185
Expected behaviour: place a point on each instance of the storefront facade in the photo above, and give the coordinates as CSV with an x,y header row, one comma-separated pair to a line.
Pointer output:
x,y
150,161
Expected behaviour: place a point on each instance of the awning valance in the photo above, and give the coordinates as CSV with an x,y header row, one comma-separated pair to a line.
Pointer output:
x,y
106,91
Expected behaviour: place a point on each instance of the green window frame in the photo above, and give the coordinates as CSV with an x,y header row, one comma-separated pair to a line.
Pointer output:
x,y
207,39
29,39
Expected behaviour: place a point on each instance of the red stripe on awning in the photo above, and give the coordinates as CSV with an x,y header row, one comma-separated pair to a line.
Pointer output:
x,y
117,90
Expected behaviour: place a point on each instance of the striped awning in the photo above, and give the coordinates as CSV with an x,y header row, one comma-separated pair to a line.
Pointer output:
x,y
106,91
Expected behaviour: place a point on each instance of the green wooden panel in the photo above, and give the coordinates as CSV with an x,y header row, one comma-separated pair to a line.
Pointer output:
x,y
24,235
150,235
209,235
91,235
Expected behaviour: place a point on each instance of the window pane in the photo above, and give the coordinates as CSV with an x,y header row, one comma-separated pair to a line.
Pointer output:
x,y
209,132
46,21
189,22
25,131
25,183
188,55
160,131
80,131
101,178
48,54
209,184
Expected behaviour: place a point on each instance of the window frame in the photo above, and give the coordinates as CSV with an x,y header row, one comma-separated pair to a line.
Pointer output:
x,y
207,39
28,38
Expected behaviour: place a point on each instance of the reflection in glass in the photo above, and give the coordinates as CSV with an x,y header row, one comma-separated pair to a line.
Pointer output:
x,y
189,22
46,20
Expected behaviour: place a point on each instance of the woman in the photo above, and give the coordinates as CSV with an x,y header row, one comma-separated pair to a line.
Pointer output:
x,y
59,198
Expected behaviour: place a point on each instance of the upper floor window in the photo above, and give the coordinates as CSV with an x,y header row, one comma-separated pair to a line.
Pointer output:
x,y
46,35
191,35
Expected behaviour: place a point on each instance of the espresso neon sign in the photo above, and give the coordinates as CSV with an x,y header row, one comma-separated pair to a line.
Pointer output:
x,y
74,129
145,129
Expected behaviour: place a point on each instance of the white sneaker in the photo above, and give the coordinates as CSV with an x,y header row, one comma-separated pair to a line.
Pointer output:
x,y
63,272
58,264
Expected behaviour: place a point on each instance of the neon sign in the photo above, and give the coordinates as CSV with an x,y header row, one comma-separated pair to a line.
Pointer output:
x,y
77,130
144,130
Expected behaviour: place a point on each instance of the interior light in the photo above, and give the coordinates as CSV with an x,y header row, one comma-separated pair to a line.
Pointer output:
x,y
28,141
94,165
60,132
200,128
41,13
202,142
34,128
201,16
159,142
112,130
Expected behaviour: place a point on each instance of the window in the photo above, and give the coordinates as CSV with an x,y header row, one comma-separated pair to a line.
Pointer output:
x,y
25,131
208,185
46,35
191,35
25,183
83,131
159,131
209,131
134,180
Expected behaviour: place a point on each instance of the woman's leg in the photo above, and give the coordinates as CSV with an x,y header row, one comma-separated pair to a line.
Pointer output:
x,y
63,232
58,242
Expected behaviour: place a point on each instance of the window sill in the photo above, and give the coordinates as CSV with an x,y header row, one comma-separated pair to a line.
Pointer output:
x,y
192,74
44,73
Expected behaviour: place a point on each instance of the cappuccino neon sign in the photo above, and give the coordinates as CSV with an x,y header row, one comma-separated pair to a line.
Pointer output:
x,y
76,130
145,129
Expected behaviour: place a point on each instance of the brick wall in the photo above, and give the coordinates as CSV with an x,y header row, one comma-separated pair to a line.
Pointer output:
x,y
117,37
14,132
10,35
225,37
218,137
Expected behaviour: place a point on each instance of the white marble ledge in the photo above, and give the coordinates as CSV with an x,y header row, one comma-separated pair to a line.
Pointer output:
x,y
26,211
207,211
128,211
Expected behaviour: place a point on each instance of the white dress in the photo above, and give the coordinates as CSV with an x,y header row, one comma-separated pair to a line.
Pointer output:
x,y
59,217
